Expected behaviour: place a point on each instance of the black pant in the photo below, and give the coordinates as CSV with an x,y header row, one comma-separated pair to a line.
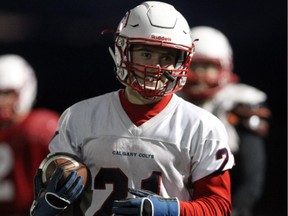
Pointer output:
x,y
249,173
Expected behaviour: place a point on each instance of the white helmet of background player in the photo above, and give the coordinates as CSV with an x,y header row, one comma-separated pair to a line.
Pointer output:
x,y
212,47
16,74
158,24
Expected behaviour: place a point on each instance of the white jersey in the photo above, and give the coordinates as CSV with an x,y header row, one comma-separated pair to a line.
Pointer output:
x,y
182,143
226,99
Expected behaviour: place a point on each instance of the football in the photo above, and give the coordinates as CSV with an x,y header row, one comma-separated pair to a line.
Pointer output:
x,y
67,162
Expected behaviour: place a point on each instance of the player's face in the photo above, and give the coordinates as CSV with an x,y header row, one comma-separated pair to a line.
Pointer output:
x,y
8,102
155,58
206,73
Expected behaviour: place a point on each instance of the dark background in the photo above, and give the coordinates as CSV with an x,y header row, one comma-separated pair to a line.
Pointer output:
x,y
62,40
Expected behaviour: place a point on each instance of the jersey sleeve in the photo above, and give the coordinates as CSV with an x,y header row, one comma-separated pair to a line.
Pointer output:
x,y
212,196
212,152
63,139
74,125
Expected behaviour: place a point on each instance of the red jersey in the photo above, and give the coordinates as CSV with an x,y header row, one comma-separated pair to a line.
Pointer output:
x,y
22,148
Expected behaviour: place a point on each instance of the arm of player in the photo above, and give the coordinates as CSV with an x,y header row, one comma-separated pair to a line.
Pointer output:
x,y
147,203
253,118
51,201
211,197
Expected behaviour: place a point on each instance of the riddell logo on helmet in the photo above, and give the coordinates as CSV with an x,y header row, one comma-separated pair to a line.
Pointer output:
x,y
162,38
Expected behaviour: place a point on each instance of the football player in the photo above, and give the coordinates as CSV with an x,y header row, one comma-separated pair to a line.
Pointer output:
x,y
149,151
212,85
24,134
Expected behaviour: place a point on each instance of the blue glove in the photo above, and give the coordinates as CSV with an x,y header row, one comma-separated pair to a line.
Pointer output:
x,y
147,204
52,200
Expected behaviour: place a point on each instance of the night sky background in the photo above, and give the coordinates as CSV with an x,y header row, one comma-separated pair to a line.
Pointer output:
x,y
62,40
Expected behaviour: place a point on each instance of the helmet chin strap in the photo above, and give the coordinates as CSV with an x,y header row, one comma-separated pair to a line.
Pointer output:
x,y
168,75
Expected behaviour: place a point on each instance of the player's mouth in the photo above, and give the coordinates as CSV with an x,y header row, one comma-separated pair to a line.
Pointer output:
x,y
151,82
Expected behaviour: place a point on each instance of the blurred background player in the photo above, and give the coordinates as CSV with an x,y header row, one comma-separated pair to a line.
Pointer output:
x,y
212,85
24,134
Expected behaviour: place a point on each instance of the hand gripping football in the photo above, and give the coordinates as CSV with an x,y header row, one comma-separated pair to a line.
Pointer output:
x,y
67,162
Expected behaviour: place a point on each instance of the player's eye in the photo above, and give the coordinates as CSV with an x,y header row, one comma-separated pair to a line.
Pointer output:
x,y
146,55
168,60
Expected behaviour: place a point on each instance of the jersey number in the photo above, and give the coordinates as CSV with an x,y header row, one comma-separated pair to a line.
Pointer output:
x,y
120,186
6,166
120,183
219,155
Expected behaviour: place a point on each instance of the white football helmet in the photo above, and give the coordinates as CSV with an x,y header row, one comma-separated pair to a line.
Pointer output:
x,y
157,24
212,47
16,74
